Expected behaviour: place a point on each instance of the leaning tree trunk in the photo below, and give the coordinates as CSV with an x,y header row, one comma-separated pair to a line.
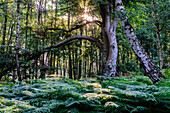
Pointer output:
x,y
109,33
151,70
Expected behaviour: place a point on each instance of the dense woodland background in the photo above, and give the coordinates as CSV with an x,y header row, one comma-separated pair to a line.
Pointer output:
x,y
45,23
46,43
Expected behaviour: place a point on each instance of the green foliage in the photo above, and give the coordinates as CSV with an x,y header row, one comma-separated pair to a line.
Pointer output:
x,y
111,94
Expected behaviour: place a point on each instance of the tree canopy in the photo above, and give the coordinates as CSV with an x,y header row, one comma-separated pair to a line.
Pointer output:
x,y
43,25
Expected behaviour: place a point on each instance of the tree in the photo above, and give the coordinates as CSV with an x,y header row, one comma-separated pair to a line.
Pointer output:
x,y
107,10
151,70
5,23
158,34
17,40
109,38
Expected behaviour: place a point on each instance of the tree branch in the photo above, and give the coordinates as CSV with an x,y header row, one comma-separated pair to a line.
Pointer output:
x,y
98,43
76,27
37,54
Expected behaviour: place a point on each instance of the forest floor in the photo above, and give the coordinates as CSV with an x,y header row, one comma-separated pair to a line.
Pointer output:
x,y
134,94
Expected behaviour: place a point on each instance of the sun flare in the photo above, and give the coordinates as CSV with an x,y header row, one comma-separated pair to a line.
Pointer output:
x,y
86,16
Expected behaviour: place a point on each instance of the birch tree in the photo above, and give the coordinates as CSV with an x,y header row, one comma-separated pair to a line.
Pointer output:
x,y
150,68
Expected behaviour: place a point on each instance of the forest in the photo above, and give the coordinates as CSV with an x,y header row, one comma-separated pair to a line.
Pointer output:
x,y
79,56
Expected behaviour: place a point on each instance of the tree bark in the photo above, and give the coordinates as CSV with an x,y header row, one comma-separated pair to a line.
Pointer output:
x,y
70,63
17,40
151,70
109,34
26,36
80,61
158,35
5,25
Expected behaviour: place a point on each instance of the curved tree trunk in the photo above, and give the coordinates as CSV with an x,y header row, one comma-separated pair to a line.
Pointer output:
x,y
151,70
110,43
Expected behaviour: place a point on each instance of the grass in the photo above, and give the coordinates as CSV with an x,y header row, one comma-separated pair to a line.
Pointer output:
x,y
96,95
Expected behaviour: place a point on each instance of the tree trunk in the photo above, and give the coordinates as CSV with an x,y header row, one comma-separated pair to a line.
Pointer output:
x,y
11,33
91,61
28,7
56,10
74,64
151,70
57,70
17,40
70,63
64,64
85,59
5,26
110,49
158,35
39,13
80,61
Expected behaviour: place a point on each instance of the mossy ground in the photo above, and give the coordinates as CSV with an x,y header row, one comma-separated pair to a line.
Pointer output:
x,y
95,95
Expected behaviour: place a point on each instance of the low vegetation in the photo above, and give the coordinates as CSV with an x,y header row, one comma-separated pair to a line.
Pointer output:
x,y
95,95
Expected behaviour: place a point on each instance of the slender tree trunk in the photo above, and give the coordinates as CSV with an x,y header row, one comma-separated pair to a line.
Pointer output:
x,y
17,40
85,62
64,64
70,63
74,64
28,7
11,33
158,35
56,10
151,70
91,61
80,61
61,64
57,71
5,25
39,13
100,63
55,38
51,55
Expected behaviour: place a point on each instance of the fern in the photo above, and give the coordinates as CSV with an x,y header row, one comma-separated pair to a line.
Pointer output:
x,y
87,95
140,109
42,110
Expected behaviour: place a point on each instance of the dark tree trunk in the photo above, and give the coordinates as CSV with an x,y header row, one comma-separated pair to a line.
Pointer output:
x,y
158,35
17,40
5,25
85,63
26,36
80,61
70,63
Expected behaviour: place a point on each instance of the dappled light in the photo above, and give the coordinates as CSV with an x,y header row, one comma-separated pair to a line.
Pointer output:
x,y
84,56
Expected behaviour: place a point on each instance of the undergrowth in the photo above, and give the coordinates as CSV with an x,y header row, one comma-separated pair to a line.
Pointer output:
x,y
97,95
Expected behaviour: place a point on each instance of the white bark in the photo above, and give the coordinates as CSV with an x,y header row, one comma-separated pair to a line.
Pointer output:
x,y
110,29
150,68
